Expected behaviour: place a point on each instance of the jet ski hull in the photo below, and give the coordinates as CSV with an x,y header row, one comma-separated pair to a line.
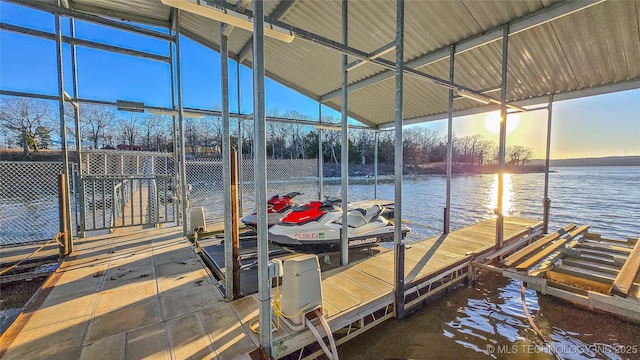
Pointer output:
x,y
310,243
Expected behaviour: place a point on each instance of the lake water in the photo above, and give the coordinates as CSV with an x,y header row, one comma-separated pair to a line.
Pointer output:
x,y
487,319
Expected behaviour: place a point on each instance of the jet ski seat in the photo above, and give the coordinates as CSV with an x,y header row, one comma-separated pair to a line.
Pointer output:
x,y
358,217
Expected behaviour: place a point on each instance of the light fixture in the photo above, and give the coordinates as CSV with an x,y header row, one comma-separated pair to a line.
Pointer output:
x,y
328,127
132,106
162,112
479,98
192,114
230,17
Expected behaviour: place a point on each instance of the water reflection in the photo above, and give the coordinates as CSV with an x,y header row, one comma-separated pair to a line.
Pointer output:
x,y
488,321
508,199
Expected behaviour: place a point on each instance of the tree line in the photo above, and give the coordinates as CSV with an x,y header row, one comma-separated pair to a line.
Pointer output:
x,y
29,124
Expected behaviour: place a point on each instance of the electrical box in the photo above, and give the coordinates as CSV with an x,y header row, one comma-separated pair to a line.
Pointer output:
x,y
196,219
301,287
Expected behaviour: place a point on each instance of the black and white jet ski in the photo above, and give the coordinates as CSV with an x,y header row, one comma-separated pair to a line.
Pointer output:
x,y
277,208
315,227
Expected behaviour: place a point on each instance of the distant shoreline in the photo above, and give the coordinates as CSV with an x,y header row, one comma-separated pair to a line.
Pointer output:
x,y
333,170
601,161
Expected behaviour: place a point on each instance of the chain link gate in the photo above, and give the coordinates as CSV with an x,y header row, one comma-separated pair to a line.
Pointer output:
x,y
127,188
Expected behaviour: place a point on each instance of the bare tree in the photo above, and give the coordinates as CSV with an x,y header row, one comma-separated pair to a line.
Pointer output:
x,y
191,133
331,139
23,116
129,130
96,119
153,128
519,155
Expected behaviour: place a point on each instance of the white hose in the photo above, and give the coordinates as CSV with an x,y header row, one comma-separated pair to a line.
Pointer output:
x,y
331,354
329,334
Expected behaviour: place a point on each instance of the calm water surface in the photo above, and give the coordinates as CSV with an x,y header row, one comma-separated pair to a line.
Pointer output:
x,y
487,320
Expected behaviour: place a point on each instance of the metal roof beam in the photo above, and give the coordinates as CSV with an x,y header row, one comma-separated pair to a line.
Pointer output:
x,y
281,10
115,14
29,95
85,43
173,19
373,55
483,91
241,6
534,101
40,5
538,18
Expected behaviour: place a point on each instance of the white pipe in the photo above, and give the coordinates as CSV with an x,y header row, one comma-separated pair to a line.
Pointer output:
x,y
331,354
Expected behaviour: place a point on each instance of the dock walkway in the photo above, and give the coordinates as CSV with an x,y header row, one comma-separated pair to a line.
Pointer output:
x,y
129,295
147,294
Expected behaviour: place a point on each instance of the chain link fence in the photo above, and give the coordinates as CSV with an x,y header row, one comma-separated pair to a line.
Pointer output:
x,y
29,199
114,162
283,176
146,181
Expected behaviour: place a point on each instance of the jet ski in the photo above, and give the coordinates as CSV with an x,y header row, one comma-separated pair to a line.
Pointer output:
x,y
315,227
277,207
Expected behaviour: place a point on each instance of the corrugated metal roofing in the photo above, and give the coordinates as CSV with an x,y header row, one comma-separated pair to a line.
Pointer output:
x,y
593,47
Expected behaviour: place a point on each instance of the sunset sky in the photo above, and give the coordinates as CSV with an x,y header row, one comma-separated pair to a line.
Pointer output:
x,y
605,125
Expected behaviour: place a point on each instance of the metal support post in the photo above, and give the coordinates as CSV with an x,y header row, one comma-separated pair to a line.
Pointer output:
x,y
375,164
344,151
260,175
183,167
240,140
176,148
447,208
398,164
63,131
229,279
76,107
546,202
320,156
503,138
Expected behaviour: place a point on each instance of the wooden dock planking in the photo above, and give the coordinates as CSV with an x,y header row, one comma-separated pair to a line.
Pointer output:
x,y
519,255
550,249
541,254
353,288
628,273
206,325
366,280
352,292
336,297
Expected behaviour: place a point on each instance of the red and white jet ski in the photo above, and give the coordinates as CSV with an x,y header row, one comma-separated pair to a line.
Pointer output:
x,y
315,228
277,208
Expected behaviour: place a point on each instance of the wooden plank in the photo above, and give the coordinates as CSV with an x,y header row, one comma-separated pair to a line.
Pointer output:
x,y
382,274
352,288
624,280
601,253
583,263
541,255
518,255
367,280
577,281
588,274
329,310
337,298
606,247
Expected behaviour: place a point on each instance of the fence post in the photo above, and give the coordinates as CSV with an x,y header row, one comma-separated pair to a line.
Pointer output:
x,y
234,225
63,209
